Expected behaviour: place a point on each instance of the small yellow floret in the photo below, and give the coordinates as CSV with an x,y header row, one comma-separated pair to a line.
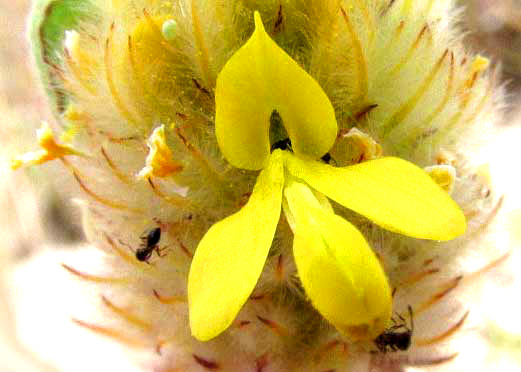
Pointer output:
x,y
446,157
50,150
444,175
479,64
355,147
73,113
369,148
76,119
159,162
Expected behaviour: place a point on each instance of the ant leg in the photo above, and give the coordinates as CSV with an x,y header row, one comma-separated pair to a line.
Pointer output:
x,y
123,243
160,250
126,245
395,327
146,260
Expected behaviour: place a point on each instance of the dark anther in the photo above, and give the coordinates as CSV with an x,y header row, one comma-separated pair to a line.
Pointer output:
x,y
326,158
284,144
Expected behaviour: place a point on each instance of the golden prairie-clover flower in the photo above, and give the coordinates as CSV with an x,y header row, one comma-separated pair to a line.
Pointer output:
x,y
338,270
191,117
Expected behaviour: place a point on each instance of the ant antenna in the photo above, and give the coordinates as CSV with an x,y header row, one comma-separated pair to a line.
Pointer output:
x,y
409,308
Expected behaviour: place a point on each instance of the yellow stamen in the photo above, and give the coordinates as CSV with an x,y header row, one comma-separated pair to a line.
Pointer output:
x,y
444,175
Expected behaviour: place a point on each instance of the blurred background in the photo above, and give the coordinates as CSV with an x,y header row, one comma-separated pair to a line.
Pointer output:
x,y
38,218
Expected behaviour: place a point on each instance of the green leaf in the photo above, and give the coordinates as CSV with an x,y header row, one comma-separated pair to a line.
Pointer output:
x,y
338,270
230,257
49,21
393,193
261,78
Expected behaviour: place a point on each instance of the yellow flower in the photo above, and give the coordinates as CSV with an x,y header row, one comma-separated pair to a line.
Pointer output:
x,y
339,272
159,162
50,150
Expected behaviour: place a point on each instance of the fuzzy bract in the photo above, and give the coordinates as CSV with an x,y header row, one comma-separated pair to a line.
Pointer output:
x,y
355,119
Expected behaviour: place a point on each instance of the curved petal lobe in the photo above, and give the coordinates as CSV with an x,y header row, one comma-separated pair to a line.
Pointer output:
x,y
393,193
338,270
230,257
261,78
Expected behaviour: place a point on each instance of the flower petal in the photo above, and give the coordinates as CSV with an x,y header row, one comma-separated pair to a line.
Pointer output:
x,y
391,192
230,257
50,150
159,161
337,268
258,79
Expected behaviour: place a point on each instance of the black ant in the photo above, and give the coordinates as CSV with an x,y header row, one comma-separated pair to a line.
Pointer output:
x,y
149,244
392,340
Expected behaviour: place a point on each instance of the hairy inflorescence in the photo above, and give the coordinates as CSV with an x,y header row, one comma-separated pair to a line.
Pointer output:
x,y
133,88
